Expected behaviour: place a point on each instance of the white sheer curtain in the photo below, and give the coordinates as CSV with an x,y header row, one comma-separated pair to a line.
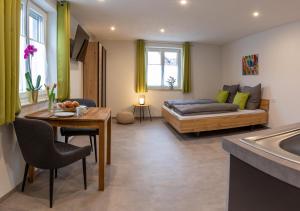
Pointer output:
x,y
38,63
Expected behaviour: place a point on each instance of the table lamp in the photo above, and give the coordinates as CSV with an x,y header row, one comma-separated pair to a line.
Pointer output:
x,y
142,99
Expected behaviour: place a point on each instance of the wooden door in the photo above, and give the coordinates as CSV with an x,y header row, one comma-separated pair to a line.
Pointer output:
x,y
103,77
91,73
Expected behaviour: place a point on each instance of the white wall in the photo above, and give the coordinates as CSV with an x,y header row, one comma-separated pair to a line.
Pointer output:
x,y
11,160
206,76
76,81
76,68
279,61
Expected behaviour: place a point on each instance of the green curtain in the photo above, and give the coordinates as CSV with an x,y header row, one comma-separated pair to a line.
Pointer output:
x,y
63,51
186,68
9,59
141,84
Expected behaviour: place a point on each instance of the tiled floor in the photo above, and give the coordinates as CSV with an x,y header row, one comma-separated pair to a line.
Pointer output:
x,y
153,168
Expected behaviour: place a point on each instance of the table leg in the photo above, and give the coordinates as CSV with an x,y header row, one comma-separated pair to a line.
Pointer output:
x,y
101,162
55,132
143,113
140,114
31,174
149,113
108,159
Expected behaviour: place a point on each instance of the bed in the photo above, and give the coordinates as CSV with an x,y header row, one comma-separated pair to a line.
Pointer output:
x,y
210,122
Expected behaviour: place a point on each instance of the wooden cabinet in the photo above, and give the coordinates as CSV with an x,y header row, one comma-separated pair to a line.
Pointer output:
x,y
94,74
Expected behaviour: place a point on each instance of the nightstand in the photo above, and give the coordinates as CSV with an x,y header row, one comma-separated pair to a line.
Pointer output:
x,y
142,110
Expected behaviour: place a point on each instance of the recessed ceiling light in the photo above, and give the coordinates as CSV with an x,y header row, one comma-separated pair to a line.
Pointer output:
x,y
112,28
101,0
255,14
162,30
183,2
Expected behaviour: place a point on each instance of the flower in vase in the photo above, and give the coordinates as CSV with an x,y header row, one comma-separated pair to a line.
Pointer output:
x,y
50,89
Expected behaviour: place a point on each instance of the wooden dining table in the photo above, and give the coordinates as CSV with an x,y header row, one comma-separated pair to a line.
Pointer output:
x,y
96,118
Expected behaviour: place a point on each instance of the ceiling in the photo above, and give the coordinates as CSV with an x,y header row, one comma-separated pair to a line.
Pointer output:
x,y
207,21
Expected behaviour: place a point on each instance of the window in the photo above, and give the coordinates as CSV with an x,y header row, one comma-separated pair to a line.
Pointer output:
x,y
163,63
35,20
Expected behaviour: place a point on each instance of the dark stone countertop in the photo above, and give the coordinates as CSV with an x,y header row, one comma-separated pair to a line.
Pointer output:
x,y
284,170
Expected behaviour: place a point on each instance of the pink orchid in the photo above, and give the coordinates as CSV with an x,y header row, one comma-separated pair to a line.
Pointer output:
x,y
29,50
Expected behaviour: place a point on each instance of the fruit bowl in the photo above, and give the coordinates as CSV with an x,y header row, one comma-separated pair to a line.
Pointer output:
x,y
68,106
68,109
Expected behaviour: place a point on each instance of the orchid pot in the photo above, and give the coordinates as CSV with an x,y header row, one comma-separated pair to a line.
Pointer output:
x,y
34,96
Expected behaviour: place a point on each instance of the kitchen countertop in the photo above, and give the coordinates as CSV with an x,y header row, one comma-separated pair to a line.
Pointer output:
x,y
284,170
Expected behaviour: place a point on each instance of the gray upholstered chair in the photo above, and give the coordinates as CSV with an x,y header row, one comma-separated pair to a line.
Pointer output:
x,y
92,133
36,140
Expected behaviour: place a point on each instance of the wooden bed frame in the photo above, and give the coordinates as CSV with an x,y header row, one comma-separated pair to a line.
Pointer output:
x,y
218,122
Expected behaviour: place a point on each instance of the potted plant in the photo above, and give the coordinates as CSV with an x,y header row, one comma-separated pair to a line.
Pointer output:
x,y
34,90
171,81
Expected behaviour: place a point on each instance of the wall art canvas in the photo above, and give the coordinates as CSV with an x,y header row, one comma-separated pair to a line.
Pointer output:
x,y
250,65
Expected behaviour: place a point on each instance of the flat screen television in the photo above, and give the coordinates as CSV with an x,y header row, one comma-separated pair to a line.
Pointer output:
x,y
79,44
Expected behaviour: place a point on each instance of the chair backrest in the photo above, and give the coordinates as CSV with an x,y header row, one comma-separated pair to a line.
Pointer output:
x,y
36,140
86,102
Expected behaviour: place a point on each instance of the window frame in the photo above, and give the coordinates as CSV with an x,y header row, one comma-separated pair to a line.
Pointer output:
x,y
40,12
162,50
22,19
24,31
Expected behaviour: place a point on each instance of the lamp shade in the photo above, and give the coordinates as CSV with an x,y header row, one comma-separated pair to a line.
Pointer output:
x,y
142,99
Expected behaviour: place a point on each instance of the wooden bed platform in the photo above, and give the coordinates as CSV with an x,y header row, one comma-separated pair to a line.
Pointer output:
x,y
211,123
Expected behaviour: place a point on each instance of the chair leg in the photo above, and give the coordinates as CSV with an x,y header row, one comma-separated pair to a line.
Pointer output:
x,y
25,176
51,186
95,148
66,139
91,142
84,172
55,173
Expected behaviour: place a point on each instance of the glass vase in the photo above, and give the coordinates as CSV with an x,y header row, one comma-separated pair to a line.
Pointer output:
x,y
51,103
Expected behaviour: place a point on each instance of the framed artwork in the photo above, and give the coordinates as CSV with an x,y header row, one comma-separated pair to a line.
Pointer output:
x,y
250,65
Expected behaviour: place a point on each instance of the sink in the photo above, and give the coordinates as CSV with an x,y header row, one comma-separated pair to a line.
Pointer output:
x,y
291,145
285,145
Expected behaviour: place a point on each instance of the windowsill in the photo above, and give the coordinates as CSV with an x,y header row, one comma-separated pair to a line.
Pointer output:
x,y
31,104
164,89
26,101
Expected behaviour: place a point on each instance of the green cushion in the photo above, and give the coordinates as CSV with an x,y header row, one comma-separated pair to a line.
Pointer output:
x,y
222,96
241,99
